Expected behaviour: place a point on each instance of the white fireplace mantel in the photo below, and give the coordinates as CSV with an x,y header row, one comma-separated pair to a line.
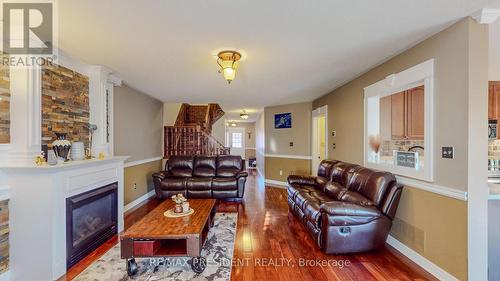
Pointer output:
x,y
38,211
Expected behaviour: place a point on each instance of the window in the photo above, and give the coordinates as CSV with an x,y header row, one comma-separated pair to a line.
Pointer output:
x,y
399,121
236,140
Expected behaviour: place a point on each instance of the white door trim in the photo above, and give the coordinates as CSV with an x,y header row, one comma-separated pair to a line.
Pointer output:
x,y
320,111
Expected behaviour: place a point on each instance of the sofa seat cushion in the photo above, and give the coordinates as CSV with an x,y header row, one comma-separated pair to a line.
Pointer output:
x,y
227,172
173,183
343,213
294,188
355,198
199,183
224,184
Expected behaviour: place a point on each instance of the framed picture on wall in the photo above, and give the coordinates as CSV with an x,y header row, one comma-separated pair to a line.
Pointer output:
x,y
283,120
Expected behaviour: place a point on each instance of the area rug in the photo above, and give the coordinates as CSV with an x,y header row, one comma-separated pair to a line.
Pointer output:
x,y
218,250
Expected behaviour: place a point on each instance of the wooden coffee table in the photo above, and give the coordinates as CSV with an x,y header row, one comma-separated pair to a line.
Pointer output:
x,y
158,236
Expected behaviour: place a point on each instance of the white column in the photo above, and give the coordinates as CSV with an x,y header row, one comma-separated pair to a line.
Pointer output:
x,y
25,108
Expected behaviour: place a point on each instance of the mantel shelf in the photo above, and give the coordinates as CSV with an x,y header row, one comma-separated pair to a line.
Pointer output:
x,y
67,165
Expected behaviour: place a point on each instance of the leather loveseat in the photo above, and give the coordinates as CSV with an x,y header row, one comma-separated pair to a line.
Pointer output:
x,y
346,208
201,177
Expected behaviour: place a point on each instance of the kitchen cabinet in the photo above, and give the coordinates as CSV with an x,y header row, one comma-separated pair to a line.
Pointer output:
x,y
407,114
493,100
398,119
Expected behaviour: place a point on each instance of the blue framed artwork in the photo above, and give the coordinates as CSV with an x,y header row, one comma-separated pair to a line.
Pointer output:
x,y
283,120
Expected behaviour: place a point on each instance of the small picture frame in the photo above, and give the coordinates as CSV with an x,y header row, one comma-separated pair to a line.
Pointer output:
x,y
283,121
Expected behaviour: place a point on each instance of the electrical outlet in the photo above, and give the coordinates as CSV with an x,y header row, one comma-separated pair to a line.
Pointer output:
x,y
334,133
135,186
447,152
281,172
291,143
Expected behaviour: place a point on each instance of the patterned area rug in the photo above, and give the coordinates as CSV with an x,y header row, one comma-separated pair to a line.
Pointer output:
x,y
218,250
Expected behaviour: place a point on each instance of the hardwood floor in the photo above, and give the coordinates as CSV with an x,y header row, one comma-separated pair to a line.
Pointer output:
x,y
271,244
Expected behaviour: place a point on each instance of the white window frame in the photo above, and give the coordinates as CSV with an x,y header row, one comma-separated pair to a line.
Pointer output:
x,y
421,74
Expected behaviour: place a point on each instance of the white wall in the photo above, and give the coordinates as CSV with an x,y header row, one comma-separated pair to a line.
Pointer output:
x,y
170,111
219,130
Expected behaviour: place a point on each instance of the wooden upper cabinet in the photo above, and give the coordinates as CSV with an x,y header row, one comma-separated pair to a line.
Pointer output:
x,y
398,117
407,114
493,100
415,113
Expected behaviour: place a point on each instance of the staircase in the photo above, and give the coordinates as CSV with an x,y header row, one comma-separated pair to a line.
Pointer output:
x,y
191,133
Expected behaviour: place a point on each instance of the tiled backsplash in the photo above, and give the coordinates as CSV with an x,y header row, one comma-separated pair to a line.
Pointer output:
x,y
389,146
494,149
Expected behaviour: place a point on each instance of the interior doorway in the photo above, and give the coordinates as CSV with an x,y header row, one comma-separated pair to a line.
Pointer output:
x,y
236,141
319,139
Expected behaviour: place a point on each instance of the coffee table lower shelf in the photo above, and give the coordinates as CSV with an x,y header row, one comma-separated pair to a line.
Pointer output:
x,y
186,245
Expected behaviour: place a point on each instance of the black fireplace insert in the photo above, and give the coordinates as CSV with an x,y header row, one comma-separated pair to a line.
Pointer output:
x,y
91,219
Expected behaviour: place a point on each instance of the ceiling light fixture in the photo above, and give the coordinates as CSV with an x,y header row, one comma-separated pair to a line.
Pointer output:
x,y
244,115
228,62
233,124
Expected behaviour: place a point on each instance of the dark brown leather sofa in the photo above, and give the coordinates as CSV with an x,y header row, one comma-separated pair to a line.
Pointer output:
x,y
346,208
201,177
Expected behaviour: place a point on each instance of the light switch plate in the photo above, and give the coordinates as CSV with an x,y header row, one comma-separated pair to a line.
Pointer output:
x,y
447,152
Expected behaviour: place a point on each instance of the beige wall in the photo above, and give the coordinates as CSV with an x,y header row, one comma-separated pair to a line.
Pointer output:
x,y
170,112
138,180
434,226
137,124
137,133
449,49
442,221
287,166
277,140
219,130
494,51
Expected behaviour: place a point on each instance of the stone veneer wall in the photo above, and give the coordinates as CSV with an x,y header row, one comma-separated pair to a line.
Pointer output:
x,y
4,104
4,236
65,104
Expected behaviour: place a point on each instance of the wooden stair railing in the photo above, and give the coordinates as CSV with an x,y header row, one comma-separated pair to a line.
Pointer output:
x,y
190,140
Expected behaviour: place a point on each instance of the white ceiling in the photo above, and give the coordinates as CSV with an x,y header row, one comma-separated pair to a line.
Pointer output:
x,y
295,50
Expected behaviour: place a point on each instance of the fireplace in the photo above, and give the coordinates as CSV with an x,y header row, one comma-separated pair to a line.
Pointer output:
x,y
91,219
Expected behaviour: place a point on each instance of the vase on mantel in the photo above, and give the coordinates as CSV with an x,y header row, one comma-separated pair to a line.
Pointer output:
x,y
61,146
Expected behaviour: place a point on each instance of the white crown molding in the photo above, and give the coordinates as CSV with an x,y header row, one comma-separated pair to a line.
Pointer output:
x,y
426,264
486,16
143,161
289,156
434,188
115,80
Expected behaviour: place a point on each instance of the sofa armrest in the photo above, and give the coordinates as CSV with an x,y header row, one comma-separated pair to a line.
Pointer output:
x,y
338,208
160,175
318,182
241,174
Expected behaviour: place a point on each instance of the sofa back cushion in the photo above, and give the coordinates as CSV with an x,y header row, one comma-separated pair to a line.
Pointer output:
x,y
341,172
228,165
204,166
324,168
371,184
180,166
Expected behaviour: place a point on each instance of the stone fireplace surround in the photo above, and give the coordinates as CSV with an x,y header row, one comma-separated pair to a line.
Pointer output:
x,y
37,194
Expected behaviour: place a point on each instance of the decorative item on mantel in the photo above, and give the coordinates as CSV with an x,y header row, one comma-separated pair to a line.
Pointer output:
x,y
40,159
77,151
92,129
61,146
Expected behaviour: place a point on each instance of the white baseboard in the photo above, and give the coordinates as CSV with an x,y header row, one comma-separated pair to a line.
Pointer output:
x,y
276,183
426,264
138,201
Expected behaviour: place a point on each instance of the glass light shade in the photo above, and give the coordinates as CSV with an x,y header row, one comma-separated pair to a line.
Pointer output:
x,y
229,74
